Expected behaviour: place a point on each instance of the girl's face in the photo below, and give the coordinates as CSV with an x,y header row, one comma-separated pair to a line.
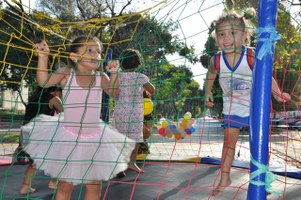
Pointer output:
x,y
230,36
89,55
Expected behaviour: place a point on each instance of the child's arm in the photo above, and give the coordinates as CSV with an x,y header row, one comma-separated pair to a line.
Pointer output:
x,y
110,85
278,94
42,69
211,75
57,104
42,76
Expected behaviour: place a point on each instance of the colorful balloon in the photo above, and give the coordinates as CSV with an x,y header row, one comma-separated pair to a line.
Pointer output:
x,y
188,131
184,123
192,129
173,128
164,124
187,116
170,135
180,130
161,131
178,136
167,131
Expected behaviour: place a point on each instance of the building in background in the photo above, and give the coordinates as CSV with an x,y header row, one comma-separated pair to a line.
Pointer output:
x,y
11,100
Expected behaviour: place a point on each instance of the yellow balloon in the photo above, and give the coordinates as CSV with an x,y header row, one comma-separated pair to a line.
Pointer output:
x,y
148,106
164,124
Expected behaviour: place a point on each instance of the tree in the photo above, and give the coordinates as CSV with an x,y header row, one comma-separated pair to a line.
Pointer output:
x,y
19,33
17,58
118,29
177,93
154,40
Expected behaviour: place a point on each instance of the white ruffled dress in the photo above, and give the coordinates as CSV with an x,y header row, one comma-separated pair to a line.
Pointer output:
x,y
76,146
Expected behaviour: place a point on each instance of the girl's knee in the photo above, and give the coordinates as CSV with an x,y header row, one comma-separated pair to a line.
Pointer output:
x,y
93,191
94,186
65,186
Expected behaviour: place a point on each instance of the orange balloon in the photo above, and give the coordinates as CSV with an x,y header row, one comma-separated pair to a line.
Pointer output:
x,y
179,136
184,123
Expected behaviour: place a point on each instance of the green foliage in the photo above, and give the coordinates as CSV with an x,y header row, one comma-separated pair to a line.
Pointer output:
x,y
74,10
147,35
10,137
176,92
287,49
155,40
16,57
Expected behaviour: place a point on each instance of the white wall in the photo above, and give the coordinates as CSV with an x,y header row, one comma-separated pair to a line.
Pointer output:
x,y
12,101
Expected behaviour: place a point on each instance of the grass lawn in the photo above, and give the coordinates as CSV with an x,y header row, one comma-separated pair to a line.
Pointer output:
x,y
9,137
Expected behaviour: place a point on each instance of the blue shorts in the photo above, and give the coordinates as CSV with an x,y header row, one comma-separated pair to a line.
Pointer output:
x,y
234,121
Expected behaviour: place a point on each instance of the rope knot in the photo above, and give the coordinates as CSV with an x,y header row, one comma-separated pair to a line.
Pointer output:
x,y
269,177
270,37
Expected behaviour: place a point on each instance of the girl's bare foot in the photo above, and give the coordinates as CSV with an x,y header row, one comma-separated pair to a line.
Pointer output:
x,y
223,184
135,168
25,189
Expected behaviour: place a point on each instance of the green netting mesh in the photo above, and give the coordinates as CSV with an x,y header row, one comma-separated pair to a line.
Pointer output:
x,y
173,37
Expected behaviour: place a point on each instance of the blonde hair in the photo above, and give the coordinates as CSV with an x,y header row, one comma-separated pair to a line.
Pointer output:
x,y
233,16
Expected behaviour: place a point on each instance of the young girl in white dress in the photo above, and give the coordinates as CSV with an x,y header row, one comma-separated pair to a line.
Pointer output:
x,y
77,147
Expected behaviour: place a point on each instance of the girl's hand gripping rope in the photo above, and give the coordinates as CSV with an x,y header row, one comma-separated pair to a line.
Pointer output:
x,y
209,100
113,66
42,49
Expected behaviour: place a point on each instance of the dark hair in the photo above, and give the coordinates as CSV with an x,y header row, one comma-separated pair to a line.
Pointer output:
x,y
79,42
39,90
52,89
130,59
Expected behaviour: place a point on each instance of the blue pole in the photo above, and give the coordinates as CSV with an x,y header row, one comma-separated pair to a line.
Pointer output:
x,y
105,99
261,97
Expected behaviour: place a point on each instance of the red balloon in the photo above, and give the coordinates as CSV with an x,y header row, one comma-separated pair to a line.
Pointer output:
x,y
161,131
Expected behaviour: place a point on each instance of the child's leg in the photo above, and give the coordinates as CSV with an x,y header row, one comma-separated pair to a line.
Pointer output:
x,y
52,183
64,190
93,191
133,166
28,176
230,139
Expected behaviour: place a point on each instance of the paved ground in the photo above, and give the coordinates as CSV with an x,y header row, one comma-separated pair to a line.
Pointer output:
x,y
173,170
161,180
